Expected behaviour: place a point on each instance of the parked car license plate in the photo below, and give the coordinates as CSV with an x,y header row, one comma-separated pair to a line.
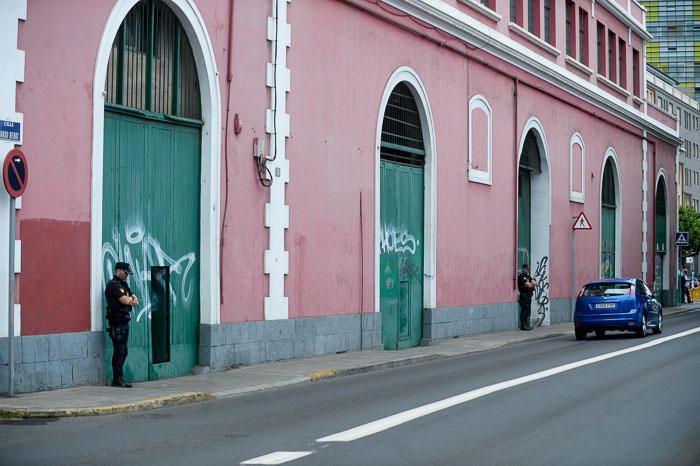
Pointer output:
x,y
605,306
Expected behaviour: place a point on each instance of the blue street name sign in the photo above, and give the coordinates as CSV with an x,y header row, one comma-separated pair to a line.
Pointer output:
x,y
10,130
681,238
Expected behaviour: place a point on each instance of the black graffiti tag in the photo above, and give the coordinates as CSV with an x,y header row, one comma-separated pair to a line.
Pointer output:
x,y
407,269
542,289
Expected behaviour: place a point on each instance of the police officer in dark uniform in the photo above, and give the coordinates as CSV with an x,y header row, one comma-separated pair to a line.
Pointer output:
x,y
526,286
120,301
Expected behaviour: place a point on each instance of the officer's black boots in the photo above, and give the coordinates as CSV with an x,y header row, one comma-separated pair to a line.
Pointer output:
x,y
121,383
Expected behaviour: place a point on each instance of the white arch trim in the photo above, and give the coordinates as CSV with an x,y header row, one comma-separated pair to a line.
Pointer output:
x,y
666,261
476,174
577,196
541,217
543,147
611,154
410,77
203,52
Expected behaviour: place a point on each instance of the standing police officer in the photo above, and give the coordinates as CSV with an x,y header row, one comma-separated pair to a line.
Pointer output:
x,y
526,286
120,301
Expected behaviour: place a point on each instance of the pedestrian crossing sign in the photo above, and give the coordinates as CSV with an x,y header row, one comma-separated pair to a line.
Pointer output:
x,y
681,238
582,222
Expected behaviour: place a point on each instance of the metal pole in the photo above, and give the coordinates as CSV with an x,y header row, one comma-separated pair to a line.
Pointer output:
x,y
573,276
678,276
10,301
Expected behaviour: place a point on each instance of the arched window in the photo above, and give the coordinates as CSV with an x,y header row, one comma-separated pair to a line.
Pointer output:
x,y
151,67
608,240
402,135
480,140
577,169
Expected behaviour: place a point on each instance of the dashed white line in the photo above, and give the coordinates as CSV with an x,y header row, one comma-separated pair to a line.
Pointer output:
x,y
415,413
278,457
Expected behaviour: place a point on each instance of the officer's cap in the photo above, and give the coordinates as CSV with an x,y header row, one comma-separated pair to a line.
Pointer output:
x,y
123,266
525,266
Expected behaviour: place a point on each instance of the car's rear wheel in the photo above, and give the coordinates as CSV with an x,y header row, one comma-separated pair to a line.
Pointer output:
x,y
580,334
659,326
600,333
642,329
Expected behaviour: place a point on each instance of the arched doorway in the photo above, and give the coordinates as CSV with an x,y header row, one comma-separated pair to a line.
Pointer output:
x,y
610,264
661,240
402,180
534,215
151,187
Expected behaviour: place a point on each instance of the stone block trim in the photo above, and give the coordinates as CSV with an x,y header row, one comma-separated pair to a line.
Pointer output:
x,y
225,345
43,362
450,322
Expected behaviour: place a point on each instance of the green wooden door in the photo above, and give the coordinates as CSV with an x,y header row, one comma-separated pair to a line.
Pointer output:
x,y
401,255
608,213
607,269
151,220
524,217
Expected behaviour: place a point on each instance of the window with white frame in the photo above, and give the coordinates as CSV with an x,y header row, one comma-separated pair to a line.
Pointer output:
x,y
480,140
577,169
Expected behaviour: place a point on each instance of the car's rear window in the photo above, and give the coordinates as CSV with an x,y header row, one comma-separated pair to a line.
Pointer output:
x,y
607,289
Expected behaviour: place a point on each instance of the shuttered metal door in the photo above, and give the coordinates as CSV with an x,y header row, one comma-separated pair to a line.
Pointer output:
x,y
401,225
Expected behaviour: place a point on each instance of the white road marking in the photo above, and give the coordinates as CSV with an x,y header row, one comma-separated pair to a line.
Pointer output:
x,y
278,457
400,418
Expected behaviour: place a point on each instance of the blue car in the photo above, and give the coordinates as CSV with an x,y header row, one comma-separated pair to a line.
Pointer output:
x,y
617,304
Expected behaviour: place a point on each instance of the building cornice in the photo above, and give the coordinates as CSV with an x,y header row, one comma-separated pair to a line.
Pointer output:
x,y
637,27
449,19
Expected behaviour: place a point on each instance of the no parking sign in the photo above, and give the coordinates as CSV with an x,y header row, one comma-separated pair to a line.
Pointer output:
x,y
15,173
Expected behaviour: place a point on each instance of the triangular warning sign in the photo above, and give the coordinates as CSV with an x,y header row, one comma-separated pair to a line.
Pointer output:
x,y
582,222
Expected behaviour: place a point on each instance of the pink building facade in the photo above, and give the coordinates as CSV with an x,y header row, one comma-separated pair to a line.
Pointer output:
x,y
307,241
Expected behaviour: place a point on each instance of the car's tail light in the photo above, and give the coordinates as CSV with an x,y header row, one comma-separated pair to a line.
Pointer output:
x,y
632,290
580,293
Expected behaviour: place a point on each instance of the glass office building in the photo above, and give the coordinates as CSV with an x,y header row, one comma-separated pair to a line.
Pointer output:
x,y
675,48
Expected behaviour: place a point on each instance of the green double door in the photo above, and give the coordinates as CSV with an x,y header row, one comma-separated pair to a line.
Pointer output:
x,y
151,220
524,218
401,254
607,240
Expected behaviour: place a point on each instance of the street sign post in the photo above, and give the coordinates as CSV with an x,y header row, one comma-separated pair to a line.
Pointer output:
x,y
682,240
580,223
14,175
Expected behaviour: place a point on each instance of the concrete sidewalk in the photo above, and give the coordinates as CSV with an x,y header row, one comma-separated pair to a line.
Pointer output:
x,y
97,400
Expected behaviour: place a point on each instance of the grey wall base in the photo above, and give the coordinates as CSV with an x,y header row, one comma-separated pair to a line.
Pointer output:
x,y
224,345
450,322
60,360
560,311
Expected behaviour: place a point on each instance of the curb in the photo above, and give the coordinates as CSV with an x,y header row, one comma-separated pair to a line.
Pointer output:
x,y
153,403
683,311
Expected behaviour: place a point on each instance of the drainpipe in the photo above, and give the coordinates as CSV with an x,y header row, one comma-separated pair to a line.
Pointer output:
x,y
517,179
645,205
229,79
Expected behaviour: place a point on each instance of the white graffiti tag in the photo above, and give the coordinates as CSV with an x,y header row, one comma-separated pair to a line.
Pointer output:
x,y
143,251
392,239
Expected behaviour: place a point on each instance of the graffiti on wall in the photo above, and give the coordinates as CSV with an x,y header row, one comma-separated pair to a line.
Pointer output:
x,y
143,251
542,289
393,239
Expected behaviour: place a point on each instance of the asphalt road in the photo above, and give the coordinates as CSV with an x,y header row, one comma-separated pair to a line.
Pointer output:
x,y
638,408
